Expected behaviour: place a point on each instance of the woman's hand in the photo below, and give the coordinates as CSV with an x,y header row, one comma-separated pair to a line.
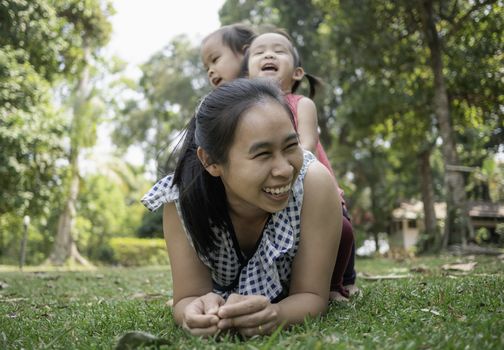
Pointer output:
x,y
249,314
200,316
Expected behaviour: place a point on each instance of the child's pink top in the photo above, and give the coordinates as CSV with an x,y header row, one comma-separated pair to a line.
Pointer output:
x,y
293,100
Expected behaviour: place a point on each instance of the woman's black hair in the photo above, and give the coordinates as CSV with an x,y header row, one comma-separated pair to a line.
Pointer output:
x,y
202,197
237,36
315,83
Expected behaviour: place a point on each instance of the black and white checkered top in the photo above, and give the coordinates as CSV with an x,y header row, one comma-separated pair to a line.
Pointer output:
x,y
268,270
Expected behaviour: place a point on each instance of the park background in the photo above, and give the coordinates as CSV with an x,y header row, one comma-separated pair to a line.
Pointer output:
x,y
411,117
91,104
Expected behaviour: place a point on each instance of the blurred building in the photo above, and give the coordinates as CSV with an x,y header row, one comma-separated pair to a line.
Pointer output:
x,y
408,223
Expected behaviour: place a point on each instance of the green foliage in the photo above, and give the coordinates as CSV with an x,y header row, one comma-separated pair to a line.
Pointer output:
x,y
51,32
45,45
152,225
172,82
104,211
25,25
30,137
130,251
11,235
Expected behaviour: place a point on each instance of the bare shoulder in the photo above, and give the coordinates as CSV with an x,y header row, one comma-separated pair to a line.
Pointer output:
x,y
319,181
307,104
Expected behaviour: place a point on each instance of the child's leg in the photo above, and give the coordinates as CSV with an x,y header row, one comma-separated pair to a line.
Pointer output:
x,y
344,254
350,275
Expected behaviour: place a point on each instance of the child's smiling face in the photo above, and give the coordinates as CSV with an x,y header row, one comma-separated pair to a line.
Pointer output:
x,y
221,63
270,55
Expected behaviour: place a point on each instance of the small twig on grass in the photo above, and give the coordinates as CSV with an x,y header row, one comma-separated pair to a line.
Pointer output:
x,y
460,267
384,277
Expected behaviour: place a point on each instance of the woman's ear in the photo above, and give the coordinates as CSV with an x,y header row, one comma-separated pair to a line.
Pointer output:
x,y
212,168
298,73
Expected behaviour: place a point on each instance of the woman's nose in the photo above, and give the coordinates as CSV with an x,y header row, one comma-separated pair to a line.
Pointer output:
x,y
210,72
282,168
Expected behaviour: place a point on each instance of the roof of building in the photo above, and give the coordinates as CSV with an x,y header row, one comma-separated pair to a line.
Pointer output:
x,y
486,210
414,210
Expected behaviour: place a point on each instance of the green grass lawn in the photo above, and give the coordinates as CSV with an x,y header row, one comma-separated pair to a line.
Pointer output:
x,y
430,309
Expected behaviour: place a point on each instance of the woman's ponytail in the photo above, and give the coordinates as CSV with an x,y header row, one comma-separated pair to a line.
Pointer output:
x,y
196,190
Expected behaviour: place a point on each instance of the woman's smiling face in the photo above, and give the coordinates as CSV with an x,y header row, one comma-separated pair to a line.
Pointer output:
x,y
263,161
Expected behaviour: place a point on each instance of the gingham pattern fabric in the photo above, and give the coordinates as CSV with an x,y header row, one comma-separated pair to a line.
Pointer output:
x,y
268,270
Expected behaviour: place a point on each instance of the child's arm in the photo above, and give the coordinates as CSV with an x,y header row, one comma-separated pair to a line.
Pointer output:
x,y
307,124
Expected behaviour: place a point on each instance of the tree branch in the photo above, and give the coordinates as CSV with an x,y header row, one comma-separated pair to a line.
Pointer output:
x,y
458,23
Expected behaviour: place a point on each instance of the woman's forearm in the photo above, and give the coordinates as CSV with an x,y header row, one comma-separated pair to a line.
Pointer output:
x,y
296,307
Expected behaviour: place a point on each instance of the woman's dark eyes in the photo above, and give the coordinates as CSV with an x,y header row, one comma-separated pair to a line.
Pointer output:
x,y
289,147
262,154
292,145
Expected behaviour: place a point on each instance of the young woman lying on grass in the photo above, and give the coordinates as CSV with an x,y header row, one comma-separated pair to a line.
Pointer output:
x,y
249,217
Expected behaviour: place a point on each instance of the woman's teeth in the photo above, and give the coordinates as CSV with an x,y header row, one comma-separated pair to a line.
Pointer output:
x,y
277,190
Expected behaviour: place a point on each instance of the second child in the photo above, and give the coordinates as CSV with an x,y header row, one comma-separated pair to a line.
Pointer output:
x,y
222,52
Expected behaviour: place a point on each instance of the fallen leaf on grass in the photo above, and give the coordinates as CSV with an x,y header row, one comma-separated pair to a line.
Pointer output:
x,y
419,269
3,285
501,257
460,267
384,277
169,303
136,339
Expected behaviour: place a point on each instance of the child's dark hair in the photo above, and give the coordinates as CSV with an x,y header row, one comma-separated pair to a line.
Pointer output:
x,y
236,36
314,82
203,201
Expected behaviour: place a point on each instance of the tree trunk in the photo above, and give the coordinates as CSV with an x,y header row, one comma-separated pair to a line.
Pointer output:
x,y
456,223
64,247
427,190
377,220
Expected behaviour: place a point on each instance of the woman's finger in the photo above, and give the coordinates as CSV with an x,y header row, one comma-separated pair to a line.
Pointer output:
x,y
262,329
211,303
243,306
193,320
264,316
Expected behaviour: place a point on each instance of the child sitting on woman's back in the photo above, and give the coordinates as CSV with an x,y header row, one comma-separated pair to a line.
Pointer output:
x,y
222,52
235,51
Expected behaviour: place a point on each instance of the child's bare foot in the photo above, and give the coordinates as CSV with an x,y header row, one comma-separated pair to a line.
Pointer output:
x,y
338,297
352,290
